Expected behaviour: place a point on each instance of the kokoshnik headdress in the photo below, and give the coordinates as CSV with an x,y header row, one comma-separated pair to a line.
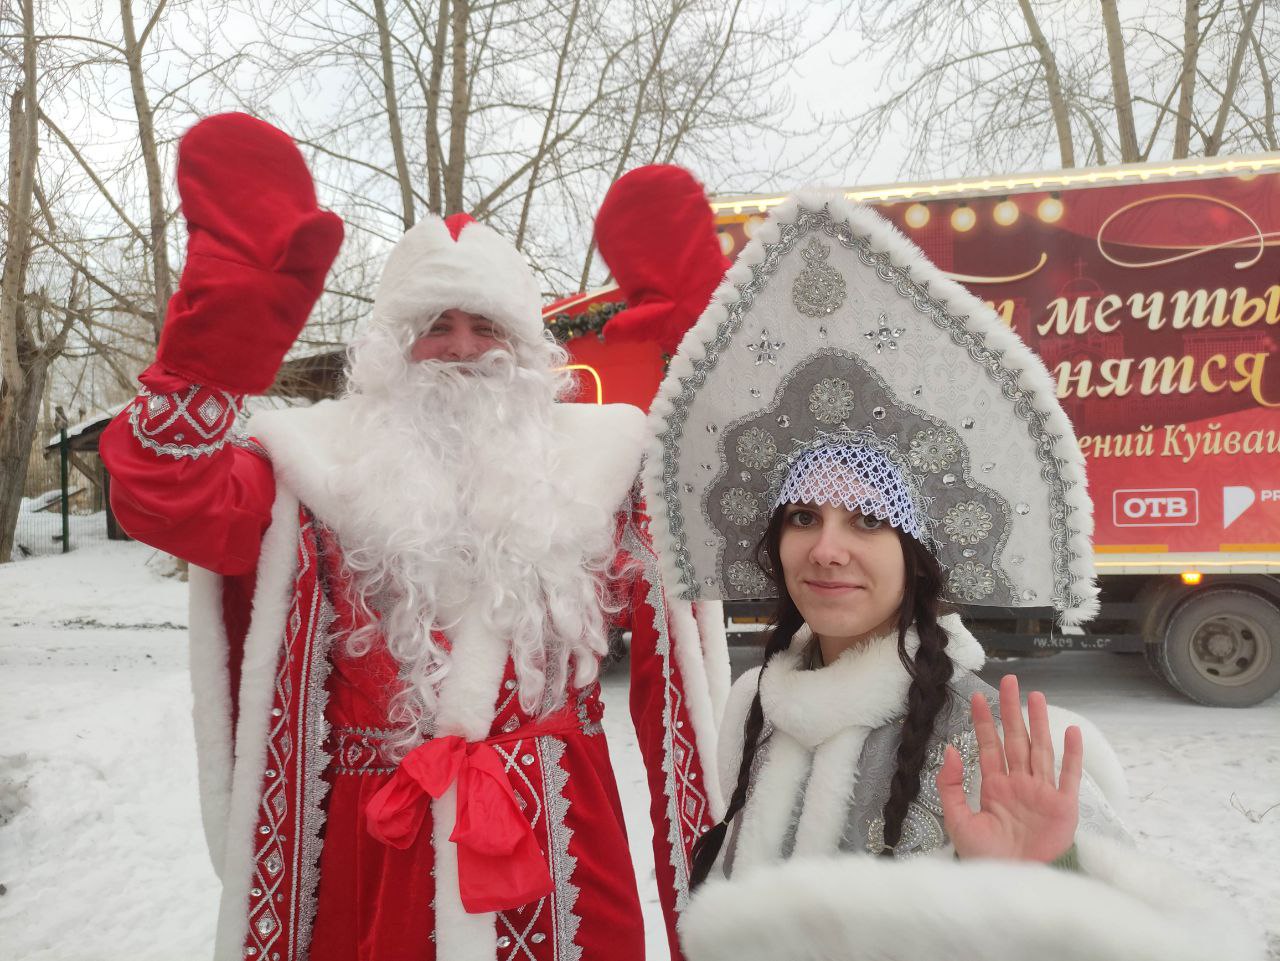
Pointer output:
x,y
834,345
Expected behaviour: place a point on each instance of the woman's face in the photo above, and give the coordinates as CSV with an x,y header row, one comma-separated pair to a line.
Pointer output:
x,y
845,572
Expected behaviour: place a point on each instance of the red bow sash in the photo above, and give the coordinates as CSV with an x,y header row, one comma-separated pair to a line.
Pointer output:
x,y
500,864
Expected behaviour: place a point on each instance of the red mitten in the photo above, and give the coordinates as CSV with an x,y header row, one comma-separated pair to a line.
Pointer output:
x,y
257,254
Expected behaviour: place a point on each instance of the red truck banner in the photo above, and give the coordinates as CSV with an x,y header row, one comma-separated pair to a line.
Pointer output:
x,y
1155,305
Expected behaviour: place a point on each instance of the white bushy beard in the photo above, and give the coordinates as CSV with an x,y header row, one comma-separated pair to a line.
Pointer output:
x,y
455,505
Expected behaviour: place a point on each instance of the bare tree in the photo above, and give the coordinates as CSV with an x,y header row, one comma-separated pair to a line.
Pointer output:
x,y
134,45
987,92
27,345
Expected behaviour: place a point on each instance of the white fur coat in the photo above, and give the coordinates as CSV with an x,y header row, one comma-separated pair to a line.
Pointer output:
x,y
823,905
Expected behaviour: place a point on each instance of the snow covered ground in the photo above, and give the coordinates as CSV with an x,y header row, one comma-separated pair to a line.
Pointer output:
x,y
101,851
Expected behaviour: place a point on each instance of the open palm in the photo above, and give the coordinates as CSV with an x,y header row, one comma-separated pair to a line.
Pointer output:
x,y
1026,811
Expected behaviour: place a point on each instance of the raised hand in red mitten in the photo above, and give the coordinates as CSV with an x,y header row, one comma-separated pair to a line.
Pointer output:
x,y
257,254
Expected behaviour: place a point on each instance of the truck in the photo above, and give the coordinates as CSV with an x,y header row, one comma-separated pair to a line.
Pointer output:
x,y
1152,294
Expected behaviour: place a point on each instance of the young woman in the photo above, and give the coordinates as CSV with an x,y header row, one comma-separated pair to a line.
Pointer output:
x,y
866,742
849,431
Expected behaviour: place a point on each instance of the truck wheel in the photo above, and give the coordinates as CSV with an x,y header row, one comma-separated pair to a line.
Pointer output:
x,y
1222,648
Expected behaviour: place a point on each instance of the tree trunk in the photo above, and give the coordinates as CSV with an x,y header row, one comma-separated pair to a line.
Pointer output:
x,y
435,155
1053,84
19,415
455,170
1187,82
21,385
393,113
151,162
1214,143
1128,131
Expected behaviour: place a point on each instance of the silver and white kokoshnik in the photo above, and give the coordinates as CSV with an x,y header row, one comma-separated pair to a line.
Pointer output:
x,y
833,333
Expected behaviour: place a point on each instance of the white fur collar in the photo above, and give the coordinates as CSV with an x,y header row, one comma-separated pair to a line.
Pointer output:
x,y
602,446
865,687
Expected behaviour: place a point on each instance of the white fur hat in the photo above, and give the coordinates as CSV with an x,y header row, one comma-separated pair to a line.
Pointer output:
x,y
459,262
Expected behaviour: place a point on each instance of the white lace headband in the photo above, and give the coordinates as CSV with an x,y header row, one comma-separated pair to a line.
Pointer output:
x,y
858,477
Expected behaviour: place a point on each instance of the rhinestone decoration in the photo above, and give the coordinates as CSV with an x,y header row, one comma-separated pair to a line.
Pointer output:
x,y
745,477
967,423
739,505
757,449
831,400
878,413
754,391
766,350
819,290
157,405
209,411
538,938
712,428
526,759
949,480
504,942
784,420
970,581
883,336
933,450
747,578
1023,508
265,925
968,523
688,488
988,467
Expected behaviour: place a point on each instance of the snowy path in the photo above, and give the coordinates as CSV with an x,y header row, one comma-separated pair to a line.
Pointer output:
x,y
101,852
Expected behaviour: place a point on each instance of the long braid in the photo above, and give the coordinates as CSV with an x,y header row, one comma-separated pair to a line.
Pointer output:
x,y
930,672
786,622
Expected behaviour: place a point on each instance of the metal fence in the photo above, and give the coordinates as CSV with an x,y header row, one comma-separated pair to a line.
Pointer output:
x,y
63,503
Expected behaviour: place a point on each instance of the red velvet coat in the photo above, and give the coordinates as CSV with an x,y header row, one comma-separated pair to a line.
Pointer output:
x,y
289,726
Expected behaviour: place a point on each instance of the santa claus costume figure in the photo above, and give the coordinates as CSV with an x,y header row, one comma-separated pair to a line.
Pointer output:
x,y
400,598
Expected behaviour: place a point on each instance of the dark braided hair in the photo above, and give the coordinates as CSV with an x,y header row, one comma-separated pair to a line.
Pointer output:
x,y
930,672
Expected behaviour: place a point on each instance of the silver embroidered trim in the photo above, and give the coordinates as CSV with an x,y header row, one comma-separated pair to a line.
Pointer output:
x,y
819,289
731,549
967,523
1005,378
555,779
757,450
740,506
933,450
970,581
922,829
312,786
831,400
632,545
358,750
176,406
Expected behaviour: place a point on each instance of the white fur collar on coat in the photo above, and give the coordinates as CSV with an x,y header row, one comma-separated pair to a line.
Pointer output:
x,y
821,721
602,445
864,687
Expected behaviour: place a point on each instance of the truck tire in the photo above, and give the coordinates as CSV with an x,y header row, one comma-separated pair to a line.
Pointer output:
x,y
1222,648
